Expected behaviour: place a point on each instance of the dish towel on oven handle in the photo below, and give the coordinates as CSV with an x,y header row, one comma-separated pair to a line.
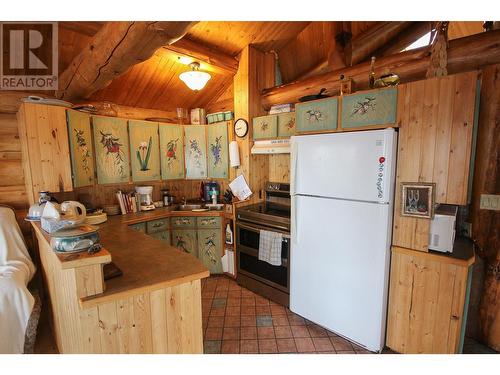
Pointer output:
x,y
270,247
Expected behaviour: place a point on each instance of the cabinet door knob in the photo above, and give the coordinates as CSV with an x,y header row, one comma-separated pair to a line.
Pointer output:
x,y
454,317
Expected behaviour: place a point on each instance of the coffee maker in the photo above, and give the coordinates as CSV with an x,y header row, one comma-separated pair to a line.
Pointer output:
x,y
144,195
208,188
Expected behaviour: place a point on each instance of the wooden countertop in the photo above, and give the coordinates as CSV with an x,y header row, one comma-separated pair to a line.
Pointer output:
x,y
462,255
147,263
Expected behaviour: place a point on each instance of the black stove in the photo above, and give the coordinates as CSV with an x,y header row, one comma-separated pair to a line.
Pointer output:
x,y
272,215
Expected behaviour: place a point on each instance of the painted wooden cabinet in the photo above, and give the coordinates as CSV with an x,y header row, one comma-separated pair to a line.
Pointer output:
x,y
218,150
163,236
265,127
158,225
183,222
195,149
140,227
369,108
286,124
185,240
171,151
111,147
44,142
81,148
144,150
209,249
317,115
427,308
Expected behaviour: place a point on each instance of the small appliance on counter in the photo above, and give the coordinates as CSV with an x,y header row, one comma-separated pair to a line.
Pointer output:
x,y
208,189
442,229
145,198
167,199
68,214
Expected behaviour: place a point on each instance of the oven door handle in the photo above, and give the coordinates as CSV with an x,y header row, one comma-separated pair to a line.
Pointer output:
x,y
258,228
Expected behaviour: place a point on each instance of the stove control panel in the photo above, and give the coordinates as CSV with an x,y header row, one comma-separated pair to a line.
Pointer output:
x,y
277,187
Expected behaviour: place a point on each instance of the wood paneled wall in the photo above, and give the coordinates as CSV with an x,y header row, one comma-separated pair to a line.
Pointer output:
x,y
255,72
435,119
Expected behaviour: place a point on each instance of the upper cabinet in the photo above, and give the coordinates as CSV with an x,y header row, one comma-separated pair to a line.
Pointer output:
x,y
171,151
80,143
265,127
317,115
374,107
218,150
195,151
286,124
46,157
111,147
144,150
436,122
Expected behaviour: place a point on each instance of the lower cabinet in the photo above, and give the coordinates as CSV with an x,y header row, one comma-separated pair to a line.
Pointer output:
x,y
428,298
164,236
209,249
200,236
185,240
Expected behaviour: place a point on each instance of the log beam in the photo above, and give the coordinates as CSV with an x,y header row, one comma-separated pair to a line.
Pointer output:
x,y
363,45
464,54
115,48
221,62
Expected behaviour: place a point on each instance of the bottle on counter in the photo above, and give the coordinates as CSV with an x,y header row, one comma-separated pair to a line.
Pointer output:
x,y
214,196
229,235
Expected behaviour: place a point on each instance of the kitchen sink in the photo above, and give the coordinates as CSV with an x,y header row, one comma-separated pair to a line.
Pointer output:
x,y
188,207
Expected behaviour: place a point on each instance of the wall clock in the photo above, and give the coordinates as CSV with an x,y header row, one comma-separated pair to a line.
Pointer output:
x,y
241,127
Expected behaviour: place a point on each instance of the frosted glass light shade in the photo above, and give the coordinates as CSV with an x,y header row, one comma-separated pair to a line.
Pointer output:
x,y
195,79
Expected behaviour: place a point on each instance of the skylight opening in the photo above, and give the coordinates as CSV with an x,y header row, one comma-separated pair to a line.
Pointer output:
x,y
423,41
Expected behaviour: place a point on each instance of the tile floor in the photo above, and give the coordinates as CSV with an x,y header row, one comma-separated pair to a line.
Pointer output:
x,y
235,320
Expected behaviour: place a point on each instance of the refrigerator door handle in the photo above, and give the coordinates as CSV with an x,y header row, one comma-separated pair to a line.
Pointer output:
x,y
293,230
294,152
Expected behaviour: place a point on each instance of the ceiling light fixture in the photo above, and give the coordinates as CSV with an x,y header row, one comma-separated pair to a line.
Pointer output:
x,y
195,79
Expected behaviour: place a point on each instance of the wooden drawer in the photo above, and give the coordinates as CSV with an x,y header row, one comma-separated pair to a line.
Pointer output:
x,y
140,227
159,225
183,222
164,236
185,240
208,222
265,127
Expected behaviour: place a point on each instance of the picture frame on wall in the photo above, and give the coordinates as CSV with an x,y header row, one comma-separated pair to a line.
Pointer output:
x,y
418,199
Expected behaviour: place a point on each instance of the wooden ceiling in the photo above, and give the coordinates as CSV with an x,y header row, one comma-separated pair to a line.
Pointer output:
x,y
155,83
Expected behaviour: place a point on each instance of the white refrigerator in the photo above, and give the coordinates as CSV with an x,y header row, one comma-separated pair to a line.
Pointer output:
x,y
342,188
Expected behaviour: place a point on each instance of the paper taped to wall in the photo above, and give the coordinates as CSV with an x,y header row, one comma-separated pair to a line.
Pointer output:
x,y
240,188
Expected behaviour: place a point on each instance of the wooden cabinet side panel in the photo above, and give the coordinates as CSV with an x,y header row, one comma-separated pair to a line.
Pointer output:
x,y
60,156
435,119
25,151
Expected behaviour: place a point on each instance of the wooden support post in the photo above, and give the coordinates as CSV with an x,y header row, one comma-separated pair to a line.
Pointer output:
x,y
486,223
255,72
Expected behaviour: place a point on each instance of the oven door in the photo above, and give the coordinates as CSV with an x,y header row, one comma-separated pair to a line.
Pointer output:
x,y
247,247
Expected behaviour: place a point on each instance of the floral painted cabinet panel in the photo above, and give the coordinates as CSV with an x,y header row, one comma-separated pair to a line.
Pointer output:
x,y
111,149
218,157
171,151
317,115
286,124
80,141
144,150
185,240
195,146
265,127
209,248
376,107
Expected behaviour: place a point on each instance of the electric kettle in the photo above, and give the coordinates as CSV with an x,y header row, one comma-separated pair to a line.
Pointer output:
x,y
73,211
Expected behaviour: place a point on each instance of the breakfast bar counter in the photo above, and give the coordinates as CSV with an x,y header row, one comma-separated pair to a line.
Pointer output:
x,y
154,307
